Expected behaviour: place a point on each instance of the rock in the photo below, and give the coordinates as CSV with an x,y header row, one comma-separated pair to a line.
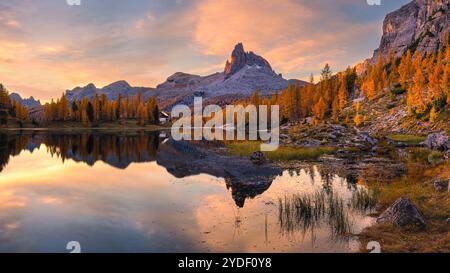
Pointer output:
x,y
258,158
402,213
368,139
240,58
180,80
447,155
437,141
309,143
440,185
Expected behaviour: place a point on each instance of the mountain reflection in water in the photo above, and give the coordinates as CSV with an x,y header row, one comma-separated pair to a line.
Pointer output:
x,y
176,199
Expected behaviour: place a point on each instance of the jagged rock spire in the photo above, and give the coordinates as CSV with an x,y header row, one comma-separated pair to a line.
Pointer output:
x,y
240,58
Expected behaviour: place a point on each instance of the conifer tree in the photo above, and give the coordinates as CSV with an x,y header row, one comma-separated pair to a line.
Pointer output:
x,y
320,109
96,109
434,86
405,68
104,107
343,94
433,114
63,108
415,99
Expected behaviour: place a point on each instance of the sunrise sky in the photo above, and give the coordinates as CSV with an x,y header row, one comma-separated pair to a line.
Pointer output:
x,y
47,46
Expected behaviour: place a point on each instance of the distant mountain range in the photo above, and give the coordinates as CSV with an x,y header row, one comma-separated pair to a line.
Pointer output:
x,y
244,73
30,102
111,91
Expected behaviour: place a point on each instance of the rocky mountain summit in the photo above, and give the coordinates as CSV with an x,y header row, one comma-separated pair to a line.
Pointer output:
x,y
240,58
244,73
30,102
420,25
111,91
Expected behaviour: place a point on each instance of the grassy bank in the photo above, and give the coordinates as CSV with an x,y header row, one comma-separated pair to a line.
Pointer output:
x,y
435,206
283,153
406,139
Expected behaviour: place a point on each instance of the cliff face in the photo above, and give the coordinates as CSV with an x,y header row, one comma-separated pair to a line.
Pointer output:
x,y
420,25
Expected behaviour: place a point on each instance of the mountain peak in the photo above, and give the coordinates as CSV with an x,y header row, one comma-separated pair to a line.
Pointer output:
x,y
91,86
119,85
27,102
240,58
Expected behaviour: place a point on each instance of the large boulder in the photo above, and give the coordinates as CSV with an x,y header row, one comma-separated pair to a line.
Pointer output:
x,y
437,141
440,185
402,213
258,158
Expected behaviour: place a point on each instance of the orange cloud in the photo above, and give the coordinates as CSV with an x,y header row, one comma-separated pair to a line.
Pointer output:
x,y
257,23
294,37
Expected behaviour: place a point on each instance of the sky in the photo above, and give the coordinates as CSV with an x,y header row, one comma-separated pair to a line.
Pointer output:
x,y
47,46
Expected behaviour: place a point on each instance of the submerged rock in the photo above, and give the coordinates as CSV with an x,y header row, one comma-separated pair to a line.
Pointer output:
x,y
402,213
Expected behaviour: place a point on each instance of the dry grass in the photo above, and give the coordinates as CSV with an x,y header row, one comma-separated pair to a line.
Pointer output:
x,y
407,139
283,153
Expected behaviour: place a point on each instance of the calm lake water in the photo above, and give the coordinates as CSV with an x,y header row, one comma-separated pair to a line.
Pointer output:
x,y
115,193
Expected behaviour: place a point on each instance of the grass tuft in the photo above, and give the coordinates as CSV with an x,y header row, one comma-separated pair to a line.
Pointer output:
x,y
283,153
407,139
307,211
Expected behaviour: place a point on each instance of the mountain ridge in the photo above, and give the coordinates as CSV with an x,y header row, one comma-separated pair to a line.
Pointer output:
x,y
244,73
30,102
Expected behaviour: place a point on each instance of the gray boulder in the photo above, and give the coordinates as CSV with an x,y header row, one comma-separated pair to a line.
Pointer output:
x,y
402,213
366,138
437,141
440,185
